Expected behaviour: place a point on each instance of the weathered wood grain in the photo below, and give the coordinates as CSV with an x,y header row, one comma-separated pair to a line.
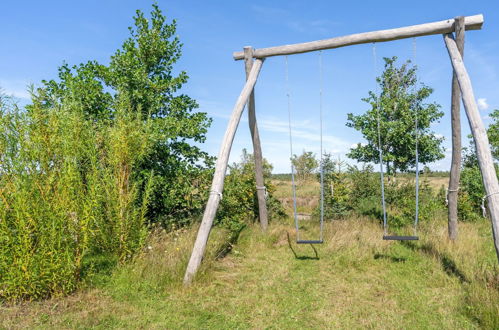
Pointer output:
x,y
219,176
471,23
484,154
257,148
455,169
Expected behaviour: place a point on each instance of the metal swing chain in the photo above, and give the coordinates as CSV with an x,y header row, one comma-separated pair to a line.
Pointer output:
x,y
416,217
288,95
382,179
321,157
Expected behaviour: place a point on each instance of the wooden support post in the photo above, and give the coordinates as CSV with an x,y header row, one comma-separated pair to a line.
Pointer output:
x,y
218,178
257,148
455,169
471,23
484,155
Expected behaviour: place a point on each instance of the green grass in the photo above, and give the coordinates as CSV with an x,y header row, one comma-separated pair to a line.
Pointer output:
x,y
355,280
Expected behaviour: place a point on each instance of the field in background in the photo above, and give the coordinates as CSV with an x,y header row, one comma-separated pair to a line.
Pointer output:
x,y
308,192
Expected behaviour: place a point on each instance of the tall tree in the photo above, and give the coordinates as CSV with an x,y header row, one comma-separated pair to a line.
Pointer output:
x,y
400,100
141,74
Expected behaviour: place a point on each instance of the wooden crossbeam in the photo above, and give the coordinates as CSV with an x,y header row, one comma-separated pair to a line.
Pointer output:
x,y
471,23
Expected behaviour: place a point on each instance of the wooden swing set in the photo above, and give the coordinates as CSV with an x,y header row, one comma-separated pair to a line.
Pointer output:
x,y
453,33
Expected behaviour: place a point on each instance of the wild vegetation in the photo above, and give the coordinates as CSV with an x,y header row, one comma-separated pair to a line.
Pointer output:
x,y
103,182
391,121
353,280
100,157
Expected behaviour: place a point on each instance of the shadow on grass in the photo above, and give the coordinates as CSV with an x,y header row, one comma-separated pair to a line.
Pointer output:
x,y
316,257
391,258
448,265
226,247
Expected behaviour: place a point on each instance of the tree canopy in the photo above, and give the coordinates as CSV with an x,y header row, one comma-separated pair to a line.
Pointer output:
x,y
141,75
304,165
401,98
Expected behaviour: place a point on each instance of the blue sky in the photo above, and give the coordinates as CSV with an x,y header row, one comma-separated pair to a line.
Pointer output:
x,y
38,36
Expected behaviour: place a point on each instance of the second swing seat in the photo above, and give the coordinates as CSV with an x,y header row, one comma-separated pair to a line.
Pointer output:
x,y
400,238
309,242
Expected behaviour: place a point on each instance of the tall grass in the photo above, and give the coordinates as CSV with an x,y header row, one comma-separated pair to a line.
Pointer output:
x,y
66,192
353,280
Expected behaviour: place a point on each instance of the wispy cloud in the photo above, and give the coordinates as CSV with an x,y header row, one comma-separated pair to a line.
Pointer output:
x,y
321,27
305,131
296,24
15,88
269,12
482,104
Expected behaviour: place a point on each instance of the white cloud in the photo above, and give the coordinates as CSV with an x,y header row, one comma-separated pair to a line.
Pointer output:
x,y
15,88
482,104
353,146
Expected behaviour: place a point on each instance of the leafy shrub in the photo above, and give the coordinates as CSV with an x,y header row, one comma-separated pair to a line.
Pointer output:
x,y
400,197
336,189
67,191
364,183
471,192
365,195
239,204
403,198
99,153
472,187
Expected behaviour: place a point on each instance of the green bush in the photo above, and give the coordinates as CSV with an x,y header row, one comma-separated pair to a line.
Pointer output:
x,y
364,183
239,204
400,197
336,189
470,194
67,191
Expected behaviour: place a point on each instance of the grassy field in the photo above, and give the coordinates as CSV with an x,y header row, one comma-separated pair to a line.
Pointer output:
x,y
354,280
308,192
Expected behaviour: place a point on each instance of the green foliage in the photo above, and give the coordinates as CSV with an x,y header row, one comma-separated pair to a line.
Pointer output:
x,y
67,191
239,204
471,192
365,196
400,198
96,156
142,73
304,165
471,186
364,183
336,190
399,103
493,133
